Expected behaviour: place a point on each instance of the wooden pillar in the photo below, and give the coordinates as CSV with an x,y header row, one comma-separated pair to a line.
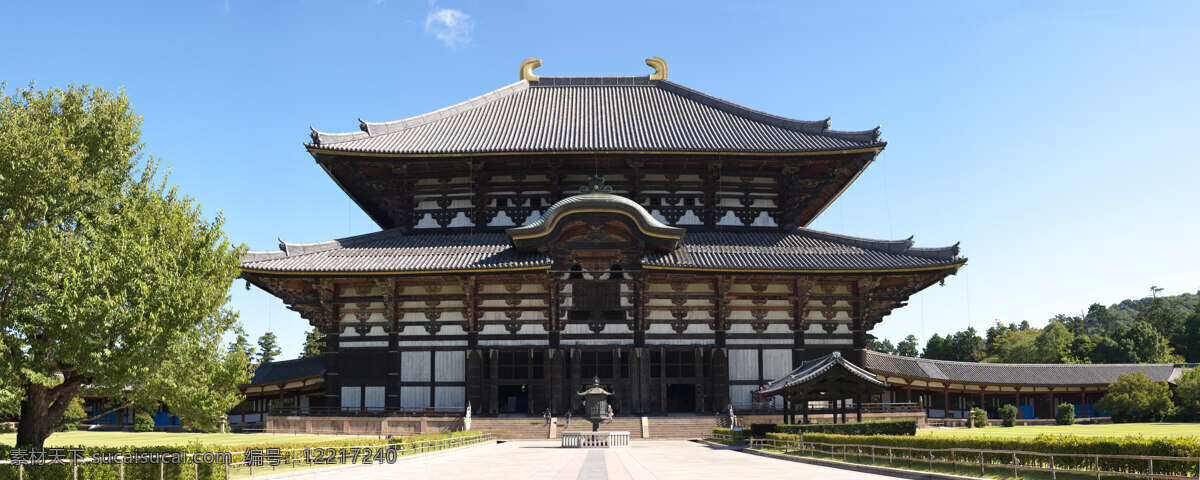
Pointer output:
x,y
945,401
333,364
858,407
908,392
493,381
804,409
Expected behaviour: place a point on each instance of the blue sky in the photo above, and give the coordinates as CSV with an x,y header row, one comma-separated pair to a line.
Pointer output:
x,y
1053,139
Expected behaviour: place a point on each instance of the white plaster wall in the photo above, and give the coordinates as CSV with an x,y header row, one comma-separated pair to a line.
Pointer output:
x,y
414,367
743,364
451,366
449,397
414,397
776,363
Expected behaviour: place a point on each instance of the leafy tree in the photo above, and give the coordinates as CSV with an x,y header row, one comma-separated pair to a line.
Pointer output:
x,y
1141,343
883,346
1189,344
242,344
1134,396
1053,343
105,271
314,343
964,346
907,347
1014,346
1165,320
268,348
1187,389
1098,319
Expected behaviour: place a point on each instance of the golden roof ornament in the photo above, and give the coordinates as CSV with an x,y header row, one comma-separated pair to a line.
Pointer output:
x,y
660,68
527,69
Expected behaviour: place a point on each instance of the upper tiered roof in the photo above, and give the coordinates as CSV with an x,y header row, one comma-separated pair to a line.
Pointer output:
x,y
594,114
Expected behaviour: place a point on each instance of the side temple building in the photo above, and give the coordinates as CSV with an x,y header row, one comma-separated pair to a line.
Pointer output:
x,y
563,228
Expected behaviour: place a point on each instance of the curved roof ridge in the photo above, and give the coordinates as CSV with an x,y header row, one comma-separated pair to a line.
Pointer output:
x,y
371,129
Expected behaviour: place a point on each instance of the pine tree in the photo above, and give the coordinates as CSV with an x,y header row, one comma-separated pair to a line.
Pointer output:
x,y
314,343
268,348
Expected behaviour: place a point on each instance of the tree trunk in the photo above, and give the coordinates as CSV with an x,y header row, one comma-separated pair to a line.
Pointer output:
x,y
42,409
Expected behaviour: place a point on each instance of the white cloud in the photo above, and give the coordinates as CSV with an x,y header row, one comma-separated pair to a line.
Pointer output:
x,y
452,27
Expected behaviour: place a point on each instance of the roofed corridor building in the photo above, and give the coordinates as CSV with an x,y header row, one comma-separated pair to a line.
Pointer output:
x,y
565,228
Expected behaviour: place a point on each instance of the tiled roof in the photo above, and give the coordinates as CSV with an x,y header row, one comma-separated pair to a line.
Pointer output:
x,y
814,368
392,250
799,249
559,114
275,372
1014,373
793,249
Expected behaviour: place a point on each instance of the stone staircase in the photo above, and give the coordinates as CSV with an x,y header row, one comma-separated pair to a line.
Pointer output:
x,y
674,427
513,428
633,425
681,427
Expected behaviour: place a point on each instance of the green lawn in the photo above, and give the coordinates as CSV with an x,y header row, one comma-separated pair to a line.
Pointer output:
x,y
143,439
1112,430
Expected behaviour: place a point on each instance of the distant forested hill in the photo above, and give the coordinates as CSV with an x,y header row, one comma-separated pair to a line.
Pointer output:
x,y
1153,329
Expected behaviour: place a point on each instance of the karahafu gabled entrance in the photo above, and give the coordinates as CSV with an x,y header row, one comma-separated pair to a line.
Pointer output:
x,y
831,380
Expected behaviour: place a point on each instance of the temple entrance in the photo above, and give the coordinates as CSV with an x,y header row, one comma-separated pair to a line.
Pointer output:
x,y
681,397
514,398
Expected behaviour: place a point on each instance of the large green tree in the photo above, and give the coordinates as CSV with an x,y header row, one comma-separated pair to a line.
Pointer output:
x,y
1187,389
1134,396
908,347
109,279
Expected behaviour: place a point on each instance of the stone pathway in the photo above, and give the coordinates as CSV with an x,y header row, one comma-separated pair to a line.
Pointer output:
x,y
546,460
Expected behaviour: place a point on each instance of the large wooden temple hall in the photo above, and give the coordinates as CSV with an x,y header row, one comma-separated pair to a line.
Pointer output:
x,y
563,228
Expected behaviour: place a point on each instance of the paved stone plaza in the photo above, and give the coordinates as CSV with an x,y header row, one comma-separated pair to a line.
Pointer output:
x,y
544,459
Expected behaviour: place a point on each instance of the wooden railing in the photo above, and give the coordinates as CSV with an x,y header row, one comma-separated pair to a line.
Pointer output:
x,y
970,459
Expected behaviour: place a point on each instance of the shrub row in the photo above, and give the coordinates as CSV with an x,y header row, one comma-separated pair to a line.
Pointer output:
x,y
737,436
882,427
185,470
1058,444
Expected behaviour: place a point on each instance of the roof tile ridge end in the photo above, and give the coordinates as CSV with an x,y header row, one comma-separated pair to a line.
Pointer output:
x,y
320,138
296,249
382,128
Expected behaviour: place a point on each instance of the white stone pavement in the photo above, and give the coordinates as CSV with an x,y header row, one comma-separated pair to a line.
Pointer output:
x,y
546,460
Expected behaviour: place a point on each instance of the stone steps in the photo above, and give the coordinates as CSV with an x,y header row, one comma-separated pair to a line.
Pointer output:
x,y
658,428
513,428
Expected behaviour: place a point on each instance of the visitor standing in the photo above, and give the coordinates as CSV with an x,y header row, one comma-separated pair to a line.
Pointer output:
x,y
547,415
568,418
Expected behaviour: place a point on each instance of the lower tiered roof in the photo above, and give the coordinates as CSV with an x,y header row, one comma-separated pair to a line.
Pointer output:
x,y
943,371
792,250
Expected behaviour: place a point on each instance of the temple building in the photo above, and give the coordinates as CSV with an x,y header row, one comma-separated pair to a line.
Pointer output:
x,y
563,228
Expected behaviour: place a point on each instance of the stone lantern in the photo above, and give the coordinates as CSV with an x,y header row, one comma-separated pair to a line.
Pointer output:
x,y
595,404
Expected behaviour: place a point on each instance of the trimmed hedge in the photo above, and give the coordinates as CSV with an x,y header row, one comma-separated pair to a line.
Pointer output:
x,y
185,471
882,427
736,436
1059,444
